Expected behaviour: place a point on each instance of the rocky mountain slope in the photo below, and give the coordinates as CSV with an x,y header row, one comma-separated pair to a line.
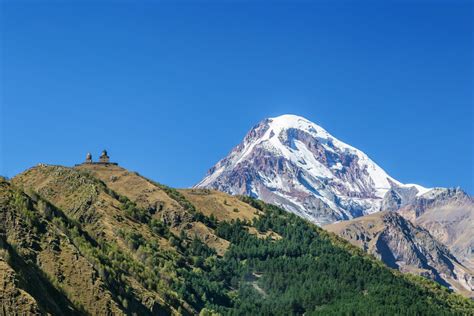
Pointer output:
x,y
448,214
101,240
406,247
294,163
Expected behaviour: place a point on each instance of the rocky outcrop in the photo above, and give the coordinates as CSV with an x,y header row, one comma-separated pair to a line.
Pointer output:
x,y
406,247
398,197
448,214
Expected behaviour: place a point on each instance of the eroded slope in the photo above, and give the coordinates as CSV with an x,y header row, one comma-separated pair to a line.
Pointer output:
x,y
406,247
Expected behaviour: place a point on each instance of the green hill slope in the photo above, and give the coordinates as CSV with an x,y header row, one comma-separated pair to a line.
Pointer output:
x,y
103,240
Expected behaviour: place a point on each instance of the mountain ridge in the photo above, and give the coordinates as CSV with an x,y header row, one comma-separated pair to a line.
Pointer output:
x,y
407,247
292,162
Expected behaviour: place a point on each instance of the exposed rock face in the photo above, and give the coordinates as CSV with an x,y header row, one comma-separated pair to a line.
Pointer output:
x,y
406,247
398,197
448,214
292,162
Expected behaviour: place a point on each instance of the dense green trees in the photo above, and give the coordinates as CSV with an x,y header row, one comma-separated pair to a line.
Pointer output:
x,y
308,271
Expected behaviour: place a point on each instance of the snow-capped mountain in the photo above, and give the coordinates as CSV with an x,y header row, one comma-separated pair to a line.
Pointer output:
x,y
292,162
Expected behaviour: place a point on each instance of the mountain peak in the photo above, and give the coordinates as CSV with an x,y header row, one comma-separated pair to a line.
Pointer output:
x,y
292,162
290,120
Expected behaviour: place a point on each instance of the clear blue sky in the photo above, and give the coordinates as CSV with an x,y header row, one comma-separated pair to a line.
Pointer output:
x,y
169,88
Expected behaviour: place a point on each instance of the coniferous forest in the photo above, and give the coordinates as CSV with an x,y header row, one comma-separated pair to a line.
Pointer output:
x,y
308,271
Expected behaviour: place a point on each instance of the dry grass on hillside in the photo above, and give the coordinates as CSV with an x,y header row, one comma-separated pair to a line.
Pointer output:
x,y
223,206
131,185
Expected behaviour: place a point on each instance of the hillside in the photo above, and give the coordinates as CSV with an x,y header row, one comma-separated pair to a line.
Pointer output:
x,y
39,263
406,247
99,239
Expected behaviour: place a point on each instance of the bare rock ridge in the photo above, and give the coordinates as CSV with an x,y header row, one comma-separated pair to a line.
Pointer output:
x,y
406,247
448,214
429,234
294,163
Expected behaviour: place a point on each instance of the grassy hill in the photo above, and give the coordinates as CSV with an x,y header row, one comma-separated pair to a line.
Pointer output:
x,y
98,239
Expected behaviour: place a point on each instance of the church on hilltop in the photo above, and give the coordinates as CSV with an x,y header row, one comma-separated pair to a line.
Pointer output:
x,y
104,159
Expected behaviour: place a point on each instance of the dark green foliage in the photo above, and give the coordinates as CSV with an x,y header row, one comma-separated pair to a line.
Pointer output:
x,y
159,228
308,271
24,205
258,204
209,221
132,210
198,248
232,231
174,241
